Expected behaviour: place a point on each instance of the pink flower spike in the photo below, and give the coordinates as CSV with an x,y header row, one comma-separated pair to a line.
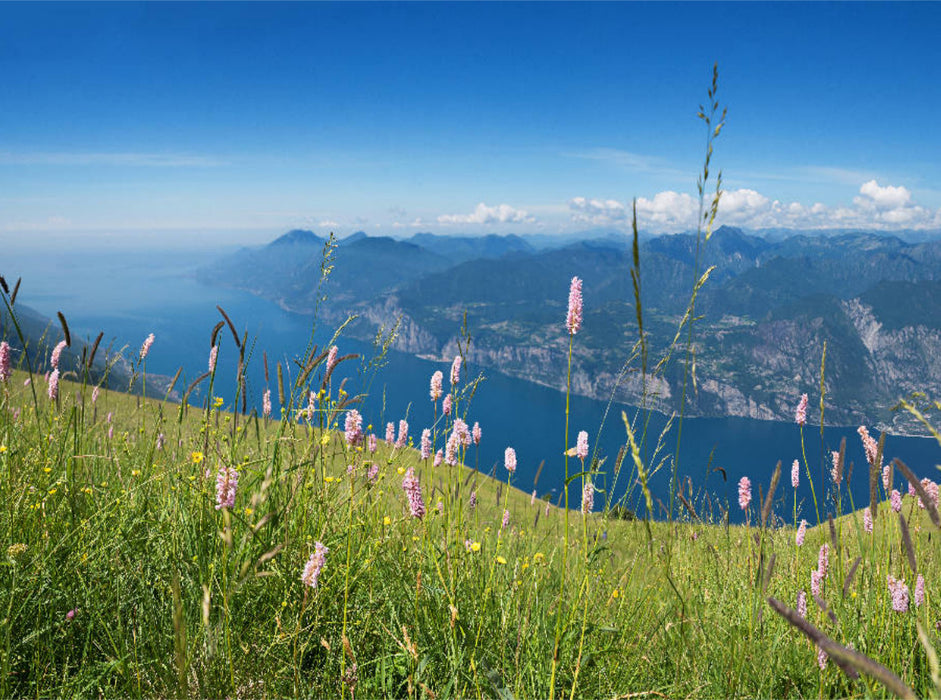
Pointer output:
x,y
823,560
744,492
588,497
439,458
53,389
506,519
456,370
446,406
56,353
412,489
425,443
332,358
899,592
919,591
227,481
145,347
390,433
573,319
213,354
353,428
315,565
402,440
800,415
266,404
475,433
802,604
795,474
581,446
836,471
896,500
373,443
6,366
509,459
867,520
436,379
801,532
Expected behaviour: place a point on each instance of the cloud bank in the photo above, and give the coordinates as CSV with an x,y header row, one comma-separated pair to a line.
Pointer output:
x,y
482,214
875,207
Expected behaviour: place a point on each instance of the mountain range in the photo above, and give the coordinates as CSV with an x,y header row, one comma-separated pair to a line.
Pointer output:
x,y
762,318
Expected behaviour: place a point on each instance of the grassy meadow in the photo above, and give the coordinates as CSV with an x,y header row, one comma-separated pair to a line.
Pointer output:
x,y
196,549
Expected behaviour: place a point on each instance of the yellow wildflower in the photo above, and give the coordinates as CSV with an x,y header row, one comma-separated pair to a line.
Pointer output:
x,y
196,457
501,559
325,440
3,448
616,593
329,479
475,546
135,472
387,520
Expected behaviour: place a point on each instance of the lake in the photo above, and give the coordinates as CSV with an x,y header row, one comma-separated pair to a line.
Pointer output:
x,y
130,294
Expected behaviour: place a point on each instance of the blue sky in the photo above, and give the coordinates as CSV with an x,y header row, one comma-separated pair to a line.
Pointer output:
x,y
238,121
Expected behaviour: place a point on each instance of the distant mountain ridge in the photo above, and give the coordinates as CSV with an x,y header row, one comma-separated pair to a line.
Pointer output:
x,y
768,308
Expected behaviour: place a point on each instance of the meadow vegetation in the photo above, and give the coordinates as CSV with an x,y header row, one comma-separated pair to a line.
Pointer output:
x,y
199,548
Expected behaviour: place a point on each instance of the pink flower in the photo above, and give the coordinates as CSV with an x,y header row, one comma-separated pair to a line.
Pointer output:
x,y
823,560
353,428
373,473
472,501
439,458
315,565
446,406
213,355
145,347
581,446
801,414
919,591
390,433
821,658
311,405
867,520
801,532
795,474
160,440
412,488
266,404
227,481
440,507
802,604
588,497
899,592
573,319
506,519
896,500
456,370
94,396
332,358
436,380
70,615
56,353
744,492
6,367
815,580
886,469
509,459
931,488
463,434
869,445
475,433
836,471
373,442
53,389
532,500
425,443
402,440
451,448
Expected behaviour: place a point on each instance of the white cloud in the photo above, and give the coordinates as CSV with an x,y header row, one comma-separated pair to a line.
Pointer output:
x,y
482,214
876,207
882,197
328,224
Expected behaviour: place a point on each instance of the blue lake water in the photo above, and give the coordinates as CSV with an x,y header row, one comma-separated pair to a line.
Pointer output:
x,y
128,295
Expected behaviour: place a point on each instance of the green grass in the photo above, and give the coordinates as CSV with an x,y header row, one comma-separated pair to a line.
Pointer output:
x,y
112,527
